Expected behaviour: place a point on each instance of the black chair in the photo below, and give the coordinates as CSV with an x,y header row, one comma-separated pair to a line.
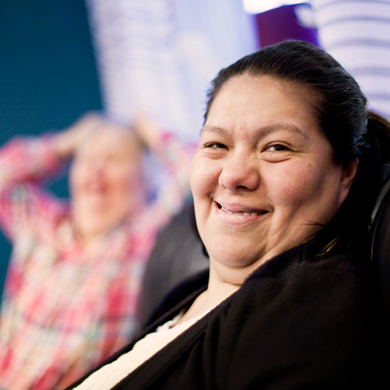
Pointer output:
x,y
380,247
177,255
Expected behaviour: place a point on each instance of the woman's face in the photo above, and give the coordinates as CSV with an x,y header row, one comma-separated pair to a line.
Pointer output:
x,y
105,179
263,178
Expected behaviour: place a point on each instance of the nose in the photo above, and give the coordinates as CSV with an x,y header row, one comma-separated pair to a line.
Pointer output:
x,y
240,172
97,166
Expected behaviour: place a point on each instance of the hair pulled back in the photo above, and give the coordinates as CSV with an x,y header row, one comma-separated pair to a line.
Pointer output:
x,y
340,108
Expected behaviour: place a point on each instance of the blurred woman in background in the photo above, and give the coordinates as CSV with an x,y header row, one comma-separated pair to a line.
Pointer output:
x,y
72,287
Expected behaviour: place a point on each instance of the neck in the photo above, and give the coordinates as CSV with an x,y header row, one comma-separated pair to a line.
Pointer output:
x,y
217,291
92,229
88,238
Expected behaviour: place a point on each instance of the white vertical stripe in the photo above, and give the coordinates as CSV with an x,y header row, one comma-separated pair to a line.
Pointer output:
x,y
160,55
357,34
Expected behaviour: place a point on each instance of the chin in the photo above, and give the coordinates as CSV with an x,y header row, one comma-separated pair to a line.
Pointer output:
x,y
234,256
95,202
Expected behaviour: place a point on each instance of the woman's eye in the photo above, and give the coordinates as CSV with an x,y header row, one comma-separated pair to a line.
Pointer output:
x,y
276,148
215,145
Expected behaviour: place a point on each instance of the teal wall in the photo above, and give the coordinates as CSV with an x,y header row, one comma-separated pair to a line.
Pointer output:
x,y
47,73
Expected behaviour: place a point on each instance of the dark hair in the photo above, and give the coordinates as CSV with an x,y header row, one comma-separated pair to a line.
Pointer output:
x,y
341,110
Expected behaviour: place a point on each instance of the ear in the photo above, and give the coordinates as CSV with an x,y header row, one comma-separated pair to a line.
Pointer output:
x,y
349,171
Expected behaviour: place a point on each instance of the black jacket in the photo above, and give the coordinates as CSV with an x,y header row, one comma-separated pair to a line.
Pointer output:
x,y
298,322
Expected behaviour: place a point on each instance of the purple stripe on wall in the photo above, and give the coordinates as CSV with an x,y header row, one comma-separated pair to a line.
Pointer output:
x,y
281,24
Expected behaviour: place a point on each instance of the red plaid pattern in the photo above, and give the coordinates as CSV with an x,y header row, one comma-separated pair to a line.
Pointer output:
x,y
63,310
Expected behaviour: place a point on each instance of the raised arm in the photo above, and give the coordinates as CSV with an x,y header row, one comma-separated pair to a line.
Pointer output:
x,y
66,142
175,157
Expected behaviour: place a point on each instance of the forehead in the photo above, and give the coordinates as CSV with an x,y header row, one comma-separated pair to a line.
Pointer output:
x,y
113,140
250,102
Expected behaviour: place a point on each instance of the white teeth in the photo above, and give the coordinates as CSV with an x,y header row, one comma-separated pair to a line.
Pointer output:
x,y
247,214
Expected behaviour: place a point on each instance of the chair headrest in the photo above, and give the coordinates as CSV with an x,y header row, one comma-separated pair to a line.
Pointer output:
x,y
380,246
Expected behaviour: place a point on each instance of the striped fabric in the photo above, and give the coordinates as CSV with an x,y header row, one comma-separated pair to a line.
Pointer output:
x,y
160,55
357,34
64,309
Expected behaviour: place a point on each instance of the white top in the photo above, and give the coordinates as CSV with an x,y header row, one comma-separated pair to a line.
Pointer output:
x,y
110,374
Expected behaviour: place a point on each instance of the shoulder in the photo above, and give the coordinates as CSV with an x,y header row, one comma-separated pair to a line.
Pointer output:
x,y
304,318
297,286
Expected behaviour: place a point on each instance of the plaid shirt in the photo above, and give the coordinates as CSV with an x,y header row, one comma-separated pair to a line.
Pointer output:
x,y
65,310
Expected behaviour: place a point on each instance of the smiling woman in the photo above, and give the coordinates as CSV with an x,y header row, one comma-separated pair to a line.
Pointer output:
x,y
270,183
284,179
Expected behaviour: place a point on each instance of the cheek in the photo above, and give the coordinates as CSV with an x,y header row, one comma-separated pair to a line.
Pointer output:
x,y
293,185
77,177
308,191
203,182
204,177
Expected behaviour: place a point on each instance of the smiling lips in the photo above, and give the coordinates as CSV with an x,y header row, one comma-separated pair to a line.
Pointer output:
x,y
244,213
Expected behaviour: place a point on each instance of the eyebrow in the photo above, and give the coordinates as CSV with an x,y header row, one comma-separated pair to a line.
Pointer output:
x,y
262,131
214,129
